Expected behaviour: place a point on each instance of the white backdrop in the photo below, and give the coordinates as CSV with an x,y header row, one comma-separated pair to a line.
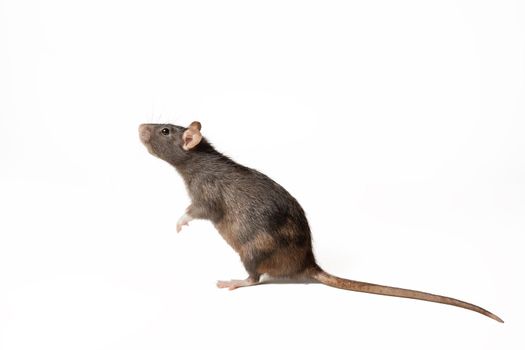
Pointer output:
x,y
398,126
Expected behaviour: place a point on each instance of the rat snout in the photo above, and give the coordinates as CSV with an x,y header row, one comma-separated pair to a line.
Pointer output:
x,y
145,132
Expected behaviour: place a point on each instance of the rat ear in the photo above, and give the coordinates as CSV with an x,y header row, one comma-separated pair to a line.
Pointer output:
x,y
192,136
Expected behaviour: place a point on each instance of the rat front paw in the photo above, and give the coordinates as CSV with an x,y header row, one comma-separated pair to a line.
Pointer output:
x,y
183,221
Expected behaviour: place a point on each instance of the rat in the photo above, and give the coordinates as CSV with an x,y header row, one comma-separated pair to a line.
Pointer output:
x,y
255,215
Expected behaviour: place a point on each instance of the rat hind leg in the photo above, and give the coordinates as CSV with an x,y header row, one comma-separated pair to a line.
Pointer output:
x,y
251,265
234,284
289,262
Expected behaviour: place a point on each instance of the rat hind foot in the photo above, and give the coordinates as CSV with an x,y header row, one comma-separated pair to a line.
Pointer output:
x,y
234,284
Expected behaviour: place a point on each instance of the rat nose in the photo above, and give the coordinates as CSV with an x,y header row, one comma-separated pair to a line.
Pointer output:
x,y
144,132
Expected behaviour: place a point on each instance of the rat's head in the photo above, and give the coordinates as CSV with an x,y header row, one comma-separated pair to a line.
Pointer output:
x,y
171,143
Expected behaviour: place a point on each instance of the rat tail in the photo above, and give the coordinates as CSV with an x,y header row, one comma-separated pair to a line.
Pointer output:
x,y
365,287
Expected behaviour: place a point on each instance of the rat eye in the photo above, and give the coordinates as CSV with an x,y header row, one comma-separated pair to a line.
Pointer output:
x,y
165,131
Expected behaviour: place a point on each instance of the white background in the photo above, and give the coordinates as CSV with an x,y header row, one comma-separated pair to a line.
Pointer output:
x,y
399,126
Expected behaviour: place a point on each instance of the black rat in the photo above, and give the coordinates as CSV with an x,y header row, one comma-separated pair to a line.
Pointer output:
x,y
256,216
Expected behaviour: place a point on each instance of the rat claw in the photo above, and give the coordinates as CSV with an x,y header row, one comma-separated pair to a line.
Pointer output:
x,y
183,221
179,226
